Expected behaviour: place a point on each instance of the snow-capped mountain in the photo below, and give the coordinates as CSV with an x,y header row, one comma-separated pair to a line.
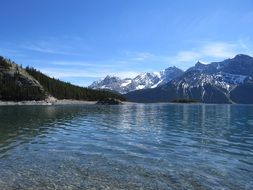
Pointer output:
x,y
142,81
229,81
111,83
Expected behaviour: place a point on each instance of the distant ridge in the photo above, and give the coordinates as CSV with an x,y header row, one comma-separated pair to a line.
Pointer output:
x,y
228,81
142,81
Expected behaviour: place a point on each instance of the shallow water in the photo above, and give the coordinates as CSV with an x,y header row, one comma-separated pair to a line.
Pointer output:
x,y
153,146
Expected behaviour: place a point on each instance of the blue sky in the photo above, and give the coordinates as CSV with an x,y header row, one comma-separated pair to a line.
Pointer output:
x,y
84,40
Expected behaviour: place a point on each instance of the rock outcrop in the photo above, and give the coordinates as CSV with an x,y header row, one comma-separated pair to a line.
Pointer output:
x,y
109,101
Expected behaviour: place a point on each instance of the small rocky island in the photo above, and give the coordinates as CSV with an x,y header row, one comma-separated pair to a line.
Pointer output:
x,y
109,101
185,101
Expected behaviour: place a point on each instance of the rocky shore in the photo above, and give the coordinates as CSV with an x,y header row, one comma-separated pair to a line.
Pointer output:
x,y
45,102
53,101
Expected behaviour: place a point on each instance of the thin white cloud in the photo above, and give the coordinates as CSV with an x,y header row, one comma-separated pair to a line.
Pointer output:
x,y
63,73
211,51
94,64
219,49
184,56
60,72
142,56
72,63
125,74
48,49
142,61
8,53
64,45
205,52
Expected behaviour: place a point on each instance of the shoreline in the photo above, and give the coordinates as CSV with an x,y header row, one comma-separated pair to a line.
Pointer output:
x,y
47,102
52,102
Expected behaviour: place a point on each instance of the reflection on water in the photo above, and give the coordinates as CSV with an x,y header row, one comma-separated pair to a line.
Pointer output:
x,y
154,146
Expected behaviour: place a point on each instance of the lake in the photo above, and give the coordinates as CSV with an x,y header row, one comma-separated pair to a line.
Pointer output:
x,y
136,146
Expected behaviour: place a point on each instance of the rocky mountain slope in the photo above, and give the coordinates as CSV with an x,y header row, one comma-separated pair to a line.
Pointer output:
x,y
16,84
228,81
142,81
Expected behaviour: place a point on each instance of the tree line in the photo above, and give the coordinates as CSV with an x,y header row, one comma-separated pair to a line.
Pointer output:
x,y
65,90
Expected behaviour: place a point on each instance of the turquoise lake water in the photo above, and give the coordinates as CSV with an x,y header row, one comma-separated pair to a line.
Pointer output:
x,y
152,146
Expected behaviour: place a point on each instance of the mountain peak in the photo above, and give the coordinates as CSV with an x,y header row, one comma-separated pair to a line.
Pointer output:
x,y
172,68
199,64
110,76
242,56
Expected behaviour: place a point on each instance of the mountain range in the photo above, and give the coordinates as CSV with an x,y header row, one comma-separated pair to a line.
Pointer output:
x,y
228,81
142,81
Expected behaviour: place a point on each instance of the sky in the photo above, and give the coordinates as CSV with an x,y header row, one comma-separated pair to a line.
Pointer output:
x,y
81,41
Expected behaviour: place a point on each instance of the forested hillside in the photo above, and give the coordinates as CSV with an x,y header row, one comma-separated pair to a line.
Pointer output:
x,y
18,84
64,90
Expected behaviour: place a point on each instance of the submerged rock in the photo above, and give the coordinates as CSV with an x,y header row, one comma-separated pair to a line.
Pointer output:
x,y
109,101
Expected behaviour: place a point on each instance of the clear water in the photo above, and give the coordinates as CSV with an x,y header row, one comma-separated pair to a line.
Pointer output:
x,y
154,146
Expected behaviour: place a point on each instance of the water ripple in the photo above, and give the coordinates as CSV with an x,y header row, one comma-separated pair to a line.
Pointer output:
x,y
154,146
